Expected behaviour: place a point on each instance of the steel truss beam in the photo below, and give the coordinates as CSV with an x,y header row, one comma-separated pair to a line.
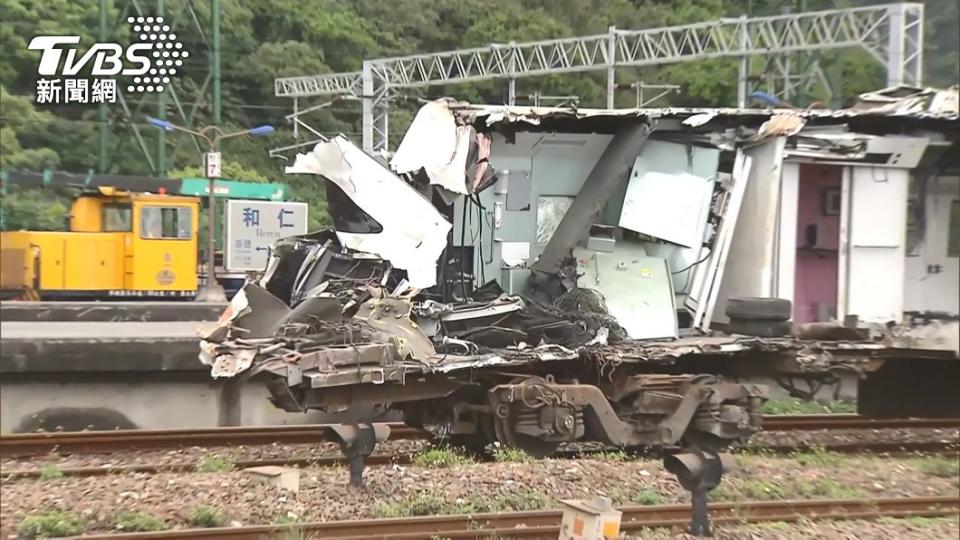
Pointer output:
x,y
892,33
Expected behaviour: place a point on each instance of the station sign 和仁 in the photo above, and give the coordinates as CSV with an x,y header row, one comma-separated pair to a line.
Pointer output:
x,y
252,226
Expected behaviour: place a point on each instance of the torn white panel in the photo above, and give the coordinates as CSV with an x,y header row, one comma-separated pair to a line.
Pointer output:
x,y
671,207
514,253
751,265
435,143
550,211
699,119
414,233
703,296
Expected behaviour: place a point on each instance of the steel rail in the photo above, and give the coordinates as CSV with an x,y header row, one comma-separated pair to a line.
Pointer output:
x,y
546,524
80,442
809,422
91,442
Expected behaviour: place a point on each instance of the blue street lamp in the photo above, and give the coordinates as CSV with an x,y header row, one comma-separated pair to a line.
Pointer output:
x,y
211,291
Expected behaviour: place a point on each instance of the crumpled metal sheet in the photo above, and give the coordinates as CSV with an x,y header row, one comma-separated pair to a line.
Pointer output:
x,y
699,119
435,143
911,100
781,125
391,316
249,324
228,365
414,233
490,115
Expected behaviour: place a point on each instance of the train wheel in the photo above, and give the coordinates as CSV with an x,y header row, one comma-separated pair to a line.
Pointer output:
x,y
532,446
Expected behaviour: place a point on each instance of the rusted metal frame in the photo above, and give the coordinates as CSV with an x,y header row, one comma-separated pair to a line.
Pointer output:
x,y
600,416
418,389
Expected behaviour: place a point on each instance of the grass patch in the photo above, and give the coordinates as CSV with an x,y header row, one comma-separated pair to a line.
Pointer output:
x,y
290,528
505,454
647,497
818,457
423,504
763,490
938,466
138,522
615,456
206,517
774,526
440,457
52,523
827,489
796,406
918,522
283,519
653,534
767,490
50,472
213,463
517,502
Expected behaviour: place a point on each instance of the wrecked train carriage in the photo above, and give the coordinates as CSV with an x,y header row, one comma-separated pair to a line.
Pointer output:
x,y
545,207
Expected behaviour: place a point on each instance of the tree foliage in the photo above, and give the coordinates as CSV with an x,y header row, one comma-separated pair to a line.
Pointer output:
x,y
266,39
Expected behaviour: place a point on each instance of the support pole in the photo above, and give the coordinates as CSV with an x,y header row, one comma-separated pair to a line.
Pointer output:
x,y
296,118
744,71
102,110
512,81
895,44
368,104
611,65
162,115
215,60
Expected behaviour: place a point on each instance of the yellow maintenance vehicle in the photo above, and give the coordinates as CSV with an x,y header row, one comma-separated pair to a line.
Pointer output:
x,y
119,244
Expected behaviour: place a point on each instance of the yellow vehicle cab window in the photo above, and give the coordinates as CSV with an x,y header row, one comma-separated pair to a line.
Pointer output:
x,y
167,222
117,218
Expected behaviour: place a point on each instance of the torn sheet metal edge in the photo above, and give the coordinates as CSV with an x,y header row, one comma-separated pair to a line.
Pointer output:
x,y
781,125
229,365
495,114
435,143
699,119
648,351
500,306
414,233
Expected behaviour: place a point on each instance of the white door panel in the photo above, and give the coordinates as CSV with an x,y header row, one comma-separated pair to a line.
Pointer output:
x,y
872,272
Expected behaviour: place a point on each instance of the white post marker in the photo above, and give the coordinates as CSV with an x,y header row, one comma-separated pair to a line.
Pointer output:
x,y
594,519
212,164
252,226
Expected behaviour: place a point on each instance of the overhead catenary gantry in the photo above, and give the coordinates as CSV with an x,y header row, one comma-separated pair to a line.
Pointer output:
x,y
891,33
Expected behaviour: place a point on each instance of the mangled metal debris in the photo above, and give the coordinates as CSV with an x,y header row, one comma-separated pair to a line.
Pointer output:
x,y
591,239
413,233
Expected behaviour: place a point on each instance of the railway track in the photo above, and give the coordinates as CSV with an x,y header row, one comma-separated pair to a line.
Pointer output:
x,y
546,524
890,448
84,442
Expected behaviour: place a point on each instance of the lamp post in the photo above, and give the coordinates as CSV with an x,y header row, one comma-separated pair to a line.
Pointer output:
x,y
211,291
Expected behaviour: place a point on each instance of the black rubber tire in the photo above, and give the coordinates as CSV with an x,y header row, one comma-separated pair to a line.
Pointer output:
x,y
759,309
760,328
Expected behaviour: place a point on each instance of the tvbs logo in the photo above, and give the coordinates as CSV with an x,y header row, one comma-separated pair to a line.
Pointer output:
x,y
91,77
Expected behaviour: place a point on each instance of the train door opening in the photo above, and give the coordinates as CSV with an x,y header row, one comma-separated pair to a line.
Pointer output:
x,y
817,266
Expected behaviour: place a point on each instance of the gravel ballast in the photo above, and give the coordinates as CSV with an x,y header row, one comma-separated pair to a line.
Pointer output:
x,y
395,490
